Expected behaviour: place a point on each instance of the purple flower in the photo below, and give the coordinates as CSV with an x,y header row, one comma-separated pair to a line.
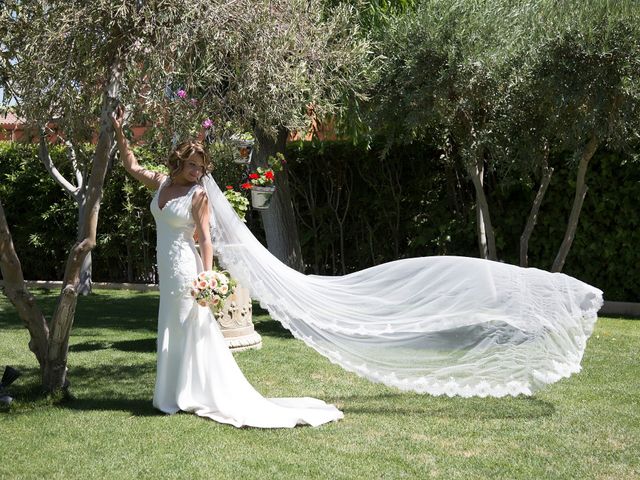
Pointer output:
x,y
208,123
181,93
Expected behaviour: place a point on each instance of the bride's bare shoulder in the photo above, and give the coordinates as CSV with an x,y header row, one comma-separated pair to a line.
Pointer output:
x,y
199,195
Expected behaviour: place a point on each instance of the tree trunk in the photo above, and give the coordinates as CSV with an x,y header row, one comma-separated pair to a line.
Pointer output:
x,y
279,219
533,215
581,191
19,296
63,316
77,192
481,233
486,238
55,371
85,285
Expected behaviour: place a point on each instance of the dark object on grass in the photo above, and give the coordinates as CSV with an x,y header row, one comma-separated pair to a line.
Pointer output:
x,y
9,376
5,400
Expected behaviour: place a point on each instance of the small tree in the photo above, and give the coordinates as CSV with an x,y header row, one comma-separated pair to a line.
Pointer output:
x,y
592,74
441,82
502,86
262,70
574,87
64,63
248,65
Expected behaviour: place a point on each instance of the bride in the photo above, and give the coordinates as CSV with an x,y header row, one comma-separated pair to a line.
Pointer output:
x,y
196,372
438,325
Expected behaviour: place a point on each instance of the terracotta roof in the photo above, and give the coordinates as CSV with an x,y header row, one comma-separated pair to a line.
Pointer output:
x,y
10,118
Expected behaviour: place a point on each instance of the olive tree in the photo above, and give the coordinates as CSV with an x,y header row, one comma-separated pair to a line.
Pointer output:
x,y
502,86
441,81
586,76
573,87
269,68
251,66
64,63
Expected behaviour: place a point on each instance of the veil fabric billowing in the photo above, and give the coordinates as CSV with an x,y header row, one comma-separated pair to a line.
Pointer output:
x,y
438,325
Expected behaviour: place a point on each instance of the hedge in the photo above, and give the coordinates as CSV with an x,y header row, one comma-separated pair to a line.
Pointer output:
x,y
429,210
354,210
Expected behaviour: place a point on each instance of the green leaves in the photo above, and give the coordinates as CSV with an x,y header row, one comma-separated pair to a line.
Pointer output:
x,y
253,64
238,201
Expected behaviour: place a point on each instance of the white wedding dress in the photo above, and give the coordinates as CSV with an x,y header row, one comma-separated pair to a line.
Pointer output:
x,y
196,372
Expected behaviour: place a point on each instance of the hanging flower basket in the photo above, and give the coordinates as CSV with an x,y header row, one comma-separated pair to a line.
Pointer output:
x,y
261,197
242,151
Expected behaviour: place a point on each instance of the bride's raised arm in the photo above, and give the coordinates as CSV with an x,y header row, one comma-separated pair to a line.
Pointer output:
x,y
151,179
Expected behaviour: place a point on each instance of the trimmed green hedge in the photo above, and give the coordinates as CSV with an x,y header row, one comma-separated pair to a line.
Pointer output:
x,y
354,210
429,210
43,219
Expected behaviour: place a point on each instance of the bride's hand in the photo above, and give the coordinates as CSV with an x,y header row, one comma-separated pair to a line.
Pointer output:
x,y
117,118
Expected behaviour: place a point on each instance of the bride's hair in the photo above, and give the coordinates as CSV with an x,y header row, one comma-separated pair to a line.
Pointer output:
x,y
183,151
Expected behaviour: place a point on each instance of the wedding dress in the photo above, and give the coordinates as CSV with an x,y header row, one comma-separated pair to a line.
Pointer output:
x,y
439,325
196,372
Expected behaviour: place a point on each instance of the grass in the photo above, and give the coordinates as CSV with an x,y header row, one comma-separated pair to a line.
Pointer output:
x,y
586,427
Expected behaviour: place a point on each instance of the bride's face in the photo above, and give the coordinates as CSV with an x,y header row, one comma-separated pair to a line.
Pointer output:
x,y
193,168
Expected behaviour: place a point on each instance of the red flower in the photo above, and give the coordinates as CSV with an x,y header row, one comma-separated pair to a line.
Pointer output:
x,y
246,186
254,176
269,175
229,187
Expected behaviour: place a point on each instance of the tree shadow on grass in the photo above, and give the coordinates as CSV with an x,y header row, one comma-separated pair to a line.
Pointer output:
x,y
147,345
272,328
101,388
141,345
138,407
89,346
102,310
132,311
520,407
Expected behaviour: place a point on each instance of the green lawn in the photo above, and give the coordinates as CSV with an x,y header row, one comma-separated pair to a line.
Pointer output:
x,y
587,426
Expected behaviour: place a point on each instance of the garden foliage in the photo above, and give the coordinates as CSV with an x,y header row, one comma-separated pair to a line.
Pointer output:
x,y
354,210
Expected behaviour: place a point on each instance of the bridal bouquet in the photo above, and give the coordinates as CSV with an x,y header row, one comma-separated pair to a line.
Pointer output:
x,y
211,288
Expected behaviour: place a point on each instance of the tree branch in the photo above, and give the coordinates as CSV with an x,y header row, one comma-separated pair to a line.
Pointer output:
x,y
16,291
43,153
535,207
581,191
73,158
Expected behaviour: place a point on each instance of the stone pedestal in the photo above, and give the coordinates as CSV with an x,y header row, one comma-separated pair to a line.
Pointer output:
x,y
236,323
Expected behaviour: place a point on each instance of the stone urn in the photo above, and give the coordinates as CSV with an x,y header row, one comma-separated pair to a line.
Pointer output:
x,y
236,322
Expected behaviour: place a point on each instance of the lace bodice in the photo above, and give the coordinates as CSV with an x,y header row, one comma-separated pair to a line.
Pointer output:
x,y
178,259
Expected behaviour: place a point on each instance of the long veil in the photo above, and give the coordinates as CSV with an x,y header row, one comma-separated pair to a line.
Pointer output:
x,y
438,325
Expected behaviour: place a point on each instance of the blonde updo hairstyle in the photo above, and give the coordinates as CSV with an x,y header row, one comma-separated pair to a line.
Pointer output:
x,y
183,151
